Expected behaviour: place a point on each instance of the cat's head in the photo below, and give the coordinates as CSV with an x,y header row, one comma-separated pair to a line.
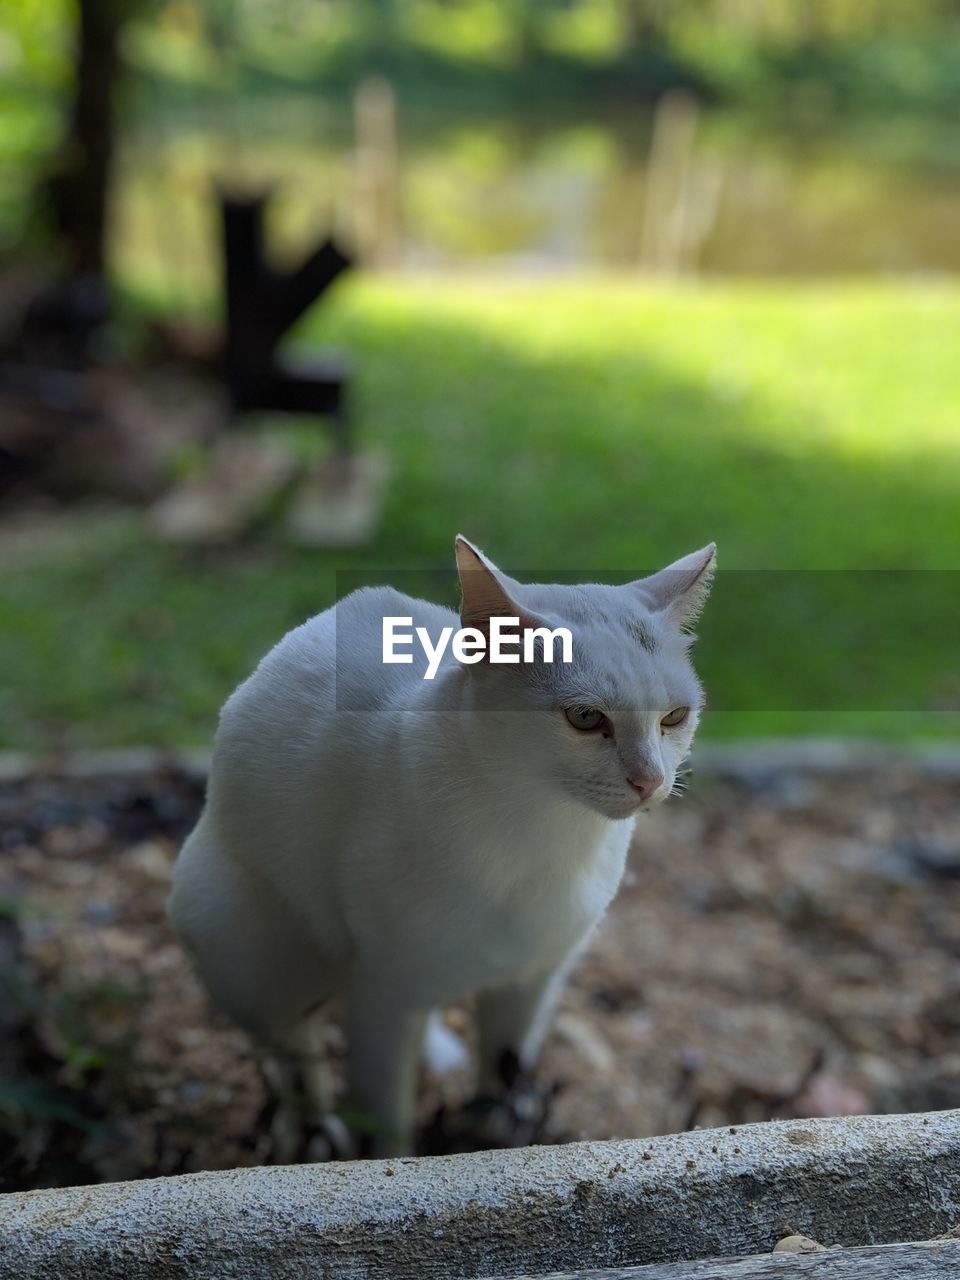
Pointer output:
x,y
611,727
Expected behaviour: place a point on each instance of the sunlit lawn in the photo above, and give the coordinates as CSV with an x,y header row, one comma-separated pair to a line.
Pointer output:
x,y
575,426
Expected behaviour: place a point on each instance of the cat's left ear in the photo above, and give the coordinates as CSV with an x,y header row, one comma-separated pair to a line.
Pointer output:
x,y
486,591
681,589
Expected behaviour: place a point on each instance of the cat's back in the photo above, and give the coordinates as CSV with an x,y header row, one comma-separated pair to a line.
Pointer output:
x,y
363,680
299,751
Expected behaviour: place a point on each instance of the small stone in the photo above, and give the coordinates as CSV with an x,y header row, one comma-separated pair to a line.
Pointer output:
x,y
152,860
797,1243
825,1095
587,1039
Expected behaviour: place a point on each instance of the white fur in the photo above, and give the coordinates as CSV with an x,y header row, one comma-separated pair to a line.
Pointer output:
x,y
443,1050
405,843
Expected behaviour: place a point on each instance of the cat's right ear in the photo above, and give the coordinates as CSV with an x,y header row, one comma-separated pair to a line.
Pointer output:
x,y
484,591
682,588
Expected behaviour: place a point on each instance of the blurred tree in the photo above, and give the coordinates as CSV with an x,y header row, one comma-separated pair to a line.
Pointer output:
x,y
81,180
525,19
643,23
383,19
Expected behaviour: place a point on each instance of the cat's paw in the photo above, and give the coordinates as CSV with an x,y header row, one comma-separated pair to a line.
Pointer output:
x,y
443,1050
518,1119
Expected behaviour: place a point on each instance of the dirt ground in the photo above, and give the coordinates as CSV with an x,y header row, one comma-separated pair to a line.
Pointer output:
x,y
784,944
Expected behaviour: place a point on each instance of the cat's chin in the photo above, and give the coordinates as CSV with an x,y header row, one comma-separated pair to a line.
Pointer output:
x,y
633,805
620,810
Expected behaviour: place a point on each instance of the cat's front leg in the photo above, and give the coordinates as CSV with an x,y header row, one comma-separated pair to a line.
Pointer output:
x,y
386,1037
512,1021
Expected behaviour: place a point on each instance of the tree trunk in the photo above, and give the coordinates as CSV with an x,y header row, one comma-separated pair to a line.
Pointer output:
x,y
82,183
643,24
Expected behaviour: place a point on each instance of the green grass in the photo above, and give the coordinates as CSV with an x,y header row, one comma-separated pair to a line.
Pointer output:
x,y
580,426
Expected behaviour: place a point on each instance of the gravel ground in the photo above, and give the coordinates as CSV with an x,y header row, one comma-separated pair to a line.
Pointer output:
x,y
785,944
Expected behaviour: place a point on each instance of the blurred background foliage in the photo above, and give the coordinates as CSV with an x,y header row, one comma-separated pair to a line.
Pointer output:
x,y
640,274
524,126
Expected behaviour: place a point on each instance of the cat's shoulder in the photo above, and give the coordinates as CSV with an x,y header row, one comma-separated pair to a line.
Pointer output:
x,y
370,605
341,649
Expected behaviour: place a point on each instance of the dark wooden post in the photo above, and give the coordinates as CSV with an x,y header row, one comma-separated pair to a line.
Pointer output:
x,y
262,304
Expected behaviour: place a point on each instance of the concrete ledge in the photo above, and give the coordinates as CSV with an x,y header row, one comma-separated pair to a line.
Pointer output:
x,y
16,766
747,759
710,1193
755,757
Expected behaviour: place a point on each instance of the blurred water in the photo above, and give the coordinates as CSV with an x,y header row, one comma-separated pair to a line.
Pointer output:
x,y
720,196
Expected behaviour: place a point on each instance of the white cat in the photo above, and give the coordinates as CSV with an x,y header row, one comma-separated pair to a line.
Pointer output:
x,y
405,843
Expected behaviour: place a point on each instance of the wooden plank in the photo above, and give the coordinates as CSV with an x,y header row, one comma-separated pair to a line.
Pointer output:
x,y
930,1260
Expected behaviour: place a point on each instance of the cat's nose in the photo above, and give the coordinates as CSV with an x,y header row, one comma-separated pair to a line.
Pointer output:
x,y
645,784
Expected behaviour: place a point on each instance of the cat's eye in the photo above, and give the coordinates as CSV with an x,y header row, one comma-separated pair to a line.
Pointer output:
x,y
674,717
584,718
